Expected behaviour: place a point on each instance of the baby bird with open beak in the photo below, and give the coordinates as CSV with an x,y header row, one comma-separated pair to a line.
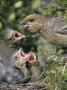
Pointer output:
x,y
18,59
35,70
27,63
12,36
53,29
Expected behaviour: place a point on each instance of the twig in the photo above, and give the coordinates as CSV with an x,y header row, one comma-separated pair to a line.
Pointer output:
x,y
64,69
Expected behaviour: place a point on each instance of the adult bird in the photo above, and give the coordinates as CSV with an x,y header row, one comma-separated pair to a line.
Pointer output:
x,y
53,29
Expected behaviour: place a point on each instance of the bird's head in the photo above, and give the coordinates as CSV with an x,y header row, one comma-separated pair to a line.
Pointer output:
x,y
31,57
18,58
33,23
12,36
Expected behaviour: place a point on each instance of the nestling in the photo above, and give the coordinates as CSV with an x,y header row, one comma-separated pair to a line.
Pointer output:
x,y
27,63
35,70
53,29
9,74
12,36
18,59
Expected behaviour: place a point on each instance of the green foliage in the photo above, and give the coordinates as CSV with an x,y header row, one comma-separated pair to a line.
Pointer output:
x,y
55,75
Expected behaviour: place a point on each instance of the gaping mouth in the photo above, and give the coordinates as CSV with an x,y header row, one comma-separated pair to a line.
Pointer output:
x,y
20,57
22,54
32,57
18,35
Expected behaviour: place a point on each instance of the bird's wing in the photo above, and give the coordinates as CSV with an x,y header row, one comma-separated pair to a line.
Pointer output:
x,y
63,30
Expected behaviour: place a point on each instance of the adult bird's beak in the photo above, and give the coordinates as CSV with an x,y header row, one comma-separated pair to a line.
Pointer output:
x,y
24,24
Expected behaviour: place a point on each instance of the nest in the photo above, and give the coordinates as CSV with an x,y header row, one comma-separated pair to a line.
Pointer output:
x,y
27,86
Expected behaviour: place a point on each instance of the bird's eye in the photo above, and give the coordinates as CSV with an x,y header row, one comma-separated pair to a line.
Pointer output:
x,y
15,57
10,39
31,20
